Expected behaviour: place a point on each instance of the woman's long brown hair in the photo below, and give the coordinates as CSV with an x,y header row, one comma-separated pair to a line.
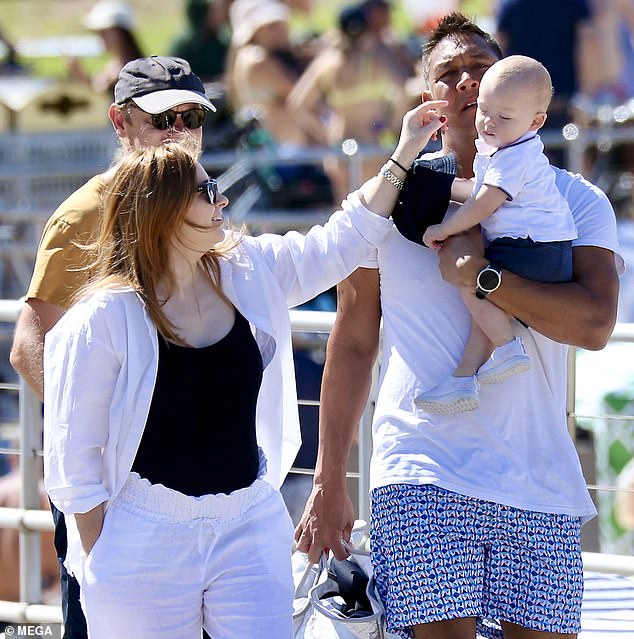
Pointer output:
x,y
144,208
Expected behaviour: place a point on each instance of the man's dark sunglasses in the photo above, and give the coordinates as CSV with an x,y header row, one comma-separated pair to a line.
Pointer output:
x,y
192,118
210,187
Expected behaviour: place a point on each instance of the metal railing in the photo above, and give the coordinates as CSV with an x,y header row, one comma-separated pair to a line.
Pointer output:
x,y
30,520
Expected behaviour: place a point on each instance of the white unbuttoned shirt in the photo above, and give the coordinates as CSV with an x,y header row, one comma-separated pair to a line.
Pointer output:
x,y
101,360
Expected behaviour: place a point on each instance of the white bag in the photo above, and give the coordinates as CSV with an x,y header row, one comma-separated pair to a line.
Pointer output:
x,y
336,599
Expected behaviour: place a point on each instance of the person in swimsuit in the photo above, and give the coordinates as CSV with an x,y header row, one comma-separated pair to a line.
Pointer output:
x,y
355,91
262,69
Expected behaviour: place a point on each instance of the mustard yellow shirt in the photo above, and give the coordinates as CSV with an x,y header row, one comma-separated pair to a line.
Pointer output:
x,y
60,262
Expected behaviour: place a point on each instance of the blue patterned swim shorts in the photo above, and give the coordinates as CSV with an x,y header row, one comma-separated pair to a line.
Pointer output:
x,y
439,555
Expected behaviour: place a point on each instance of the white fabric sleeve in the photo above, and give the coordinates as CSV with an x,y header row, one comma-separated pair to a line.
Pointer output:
x,y
593,214
372,260
80,375
306,265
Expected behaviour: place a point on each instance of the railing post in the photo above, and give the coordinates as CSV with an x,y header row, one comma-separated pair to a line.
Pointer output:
x,y
574,153
30,473
352,152
571,392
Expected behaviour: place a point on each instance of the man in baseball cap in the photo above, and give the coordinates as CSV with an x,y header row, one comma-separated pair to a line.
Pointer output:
x,y
156,99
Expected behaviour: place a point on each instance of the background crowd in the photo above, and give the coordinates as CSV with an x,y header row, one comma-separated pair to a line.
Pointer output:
x,y
305,82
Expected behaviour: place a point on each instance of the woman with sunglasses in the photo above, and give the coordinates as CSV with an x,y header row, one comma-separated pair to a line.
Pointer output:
x,y
170,406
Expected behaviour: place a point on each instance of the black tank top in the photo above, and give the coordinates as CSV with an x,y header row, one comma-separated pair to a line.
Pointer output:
x,y
200,436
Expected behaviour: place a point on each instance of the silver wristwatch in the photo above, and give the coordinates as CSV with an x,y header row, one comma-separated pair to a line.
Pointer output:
x,y
390,177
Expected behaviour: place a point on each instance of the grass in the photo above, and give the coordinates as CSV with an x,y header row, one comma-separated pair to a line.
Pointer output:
x,y
159,22
156,28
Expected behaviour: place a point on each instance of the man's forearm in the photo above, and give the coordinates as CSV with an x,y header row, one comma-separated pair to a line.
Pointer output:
x,y
31,370
352,348
580,313
27,354
345,389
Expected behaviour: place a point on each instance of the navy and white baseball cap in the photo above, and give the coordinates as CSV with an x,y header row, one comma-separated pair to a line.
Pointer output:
x,y
159,83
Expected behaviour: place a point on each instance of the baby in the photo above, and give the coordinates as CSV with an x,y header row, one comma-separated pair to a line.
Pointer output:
x,y
527,225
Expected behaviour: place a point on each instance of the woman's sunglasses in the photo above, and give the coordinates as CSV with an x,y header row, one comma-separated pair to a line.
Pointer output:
x,y
210,188
192,118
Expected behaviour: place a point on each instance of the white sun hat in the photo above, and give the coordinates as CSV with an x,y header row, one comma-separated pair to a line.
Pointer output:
x,y
110,13
247,16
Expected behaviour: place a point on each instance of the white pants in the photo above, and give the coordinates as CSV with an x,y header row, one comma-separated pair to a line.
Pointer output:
x,y
166,565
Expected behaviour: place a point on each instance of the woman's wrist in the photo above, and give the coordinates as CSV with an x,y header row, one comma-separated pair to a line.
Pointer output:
x,y
403,157
396,163
387,174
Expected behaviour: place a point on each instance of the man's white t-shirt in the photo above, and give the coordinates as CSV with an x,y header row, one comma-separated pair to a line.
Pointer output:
x,y
515,449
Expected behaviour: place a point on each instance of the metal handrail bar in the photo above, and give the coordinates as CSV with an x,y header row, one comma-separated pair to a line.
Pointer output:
x,y
30,470
9,310
27,519
609,489
19,249
623,332
312,321
607,563
586,136
613,418
48,171
22,612
305,155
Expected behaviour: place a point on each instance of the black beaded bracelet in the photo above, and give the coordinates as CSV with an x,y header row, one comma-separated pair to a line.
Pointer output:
x,y
400,166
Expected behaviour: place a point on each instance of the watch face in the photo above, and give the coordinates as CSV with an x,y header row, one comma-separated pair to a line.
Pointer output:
x,y
488,279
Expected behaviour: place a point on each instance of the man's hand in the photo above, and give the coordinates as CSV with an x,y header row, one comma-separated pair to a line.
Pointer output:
x,y
434,236
462,258
327,519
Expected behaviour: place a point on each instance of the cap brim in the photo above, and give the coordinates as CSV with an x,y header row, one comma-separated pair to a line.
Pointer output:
x,y
160,101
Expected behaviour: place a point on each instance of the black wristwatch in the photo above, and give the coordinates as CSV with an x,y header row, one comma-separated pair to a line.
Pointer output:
x,y
487,281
